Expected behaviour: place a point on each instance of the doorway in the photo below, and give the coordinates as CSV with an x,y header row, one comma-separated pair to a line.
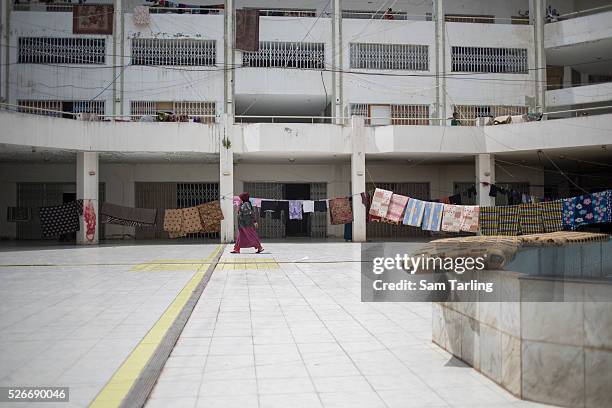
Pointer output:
x,y
297,228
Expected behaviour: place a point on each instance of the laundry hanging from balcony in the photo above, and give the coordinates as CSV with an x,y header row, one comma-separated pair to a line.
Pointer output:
x,y
247,30
92,19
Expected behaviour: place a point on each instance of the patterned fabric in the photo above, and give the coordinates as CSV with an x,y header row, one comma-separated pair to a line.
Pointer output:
x,y
116,214
173,221
432,216
107,219
452,218
587,209
192,222
552,218
601,203
508,218
59,219
308,206
340,211
380,203
247,30
396,209
92,19
211,216
488,221
470,217
530,216
414,212
567,211
295,209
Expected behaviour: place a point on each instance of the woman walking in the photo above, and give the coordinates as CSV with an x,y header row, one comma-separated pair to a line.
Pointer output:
x,y
247,236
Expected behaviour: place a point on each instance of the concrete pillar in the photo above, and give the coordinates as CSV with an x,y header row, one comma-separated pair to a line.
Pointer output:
x,y
5,37
226,178
358,183
87,190
537,14
485,172
567,77
229,56
117,56
440,60
337,64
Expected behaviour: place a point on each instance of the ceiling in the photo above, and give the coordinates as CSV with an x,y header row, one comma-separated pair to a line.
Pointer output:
x,y
280,105
591,58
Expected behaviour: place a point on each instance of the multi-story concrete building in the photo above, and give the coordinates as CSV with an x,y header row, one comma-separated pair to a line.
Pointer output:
x,y
341,96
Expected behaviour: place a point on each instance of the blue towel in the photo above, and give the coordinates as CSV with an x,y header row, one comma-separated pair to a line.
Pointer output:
x,y
414,212
432,216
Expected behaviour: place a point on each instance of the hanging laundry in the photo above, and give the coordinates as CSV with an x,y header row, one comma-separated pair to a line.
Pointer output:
x,y
569,205
366,200
445,200
210,216
89,218
524,199
283,206
488,221
295,209
256,202
173,221
269,205
192,223
552,215
452,218
455,199
308,206
530,216
380,202
395,212
414,212
432,216
508,219
493,190
587,209
236,201
59,219
340,211
470,217
602,206
320,206
128,216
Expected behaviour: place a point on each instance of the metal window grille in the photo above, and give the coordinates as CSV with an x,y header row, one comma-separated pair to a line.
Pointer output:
x,y
190,108
268,226
173,52
469,18
43,107
389,56
61,50
494,60
376,15
402,114
274,54
192,194
469,113
282,12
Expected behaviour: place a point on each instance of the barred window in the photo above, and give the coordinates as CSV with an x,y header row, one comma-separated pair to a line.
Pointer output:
x,y
390,56
189,108
375,15
400,114
54,108
173,52
273,54
469,113
59,50
495,60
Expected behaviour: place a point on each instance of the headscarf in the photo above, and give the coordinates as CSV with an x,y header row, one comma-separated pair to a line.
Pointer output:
x,y
244,196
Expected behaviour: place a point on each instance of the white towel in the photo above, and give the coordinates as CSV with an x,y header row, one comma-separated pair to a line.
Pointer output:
x,y
308,206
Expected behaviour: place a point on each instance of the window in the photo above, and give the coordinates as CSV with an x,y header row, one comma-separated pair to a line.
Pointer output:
x,y
469,113
286,55
469,18
494,60
399,114
389,56
58,50
173,52
54,108
376,15
282,12
189,108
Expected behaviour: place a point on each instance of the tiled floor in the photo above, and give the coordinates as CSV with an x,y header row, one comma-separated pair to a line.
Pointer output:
x,y
70,316
295,334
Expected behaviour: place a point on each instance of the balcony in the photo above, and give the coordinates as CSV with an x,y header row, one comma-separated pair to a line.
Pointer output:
x,y
580,95
582,29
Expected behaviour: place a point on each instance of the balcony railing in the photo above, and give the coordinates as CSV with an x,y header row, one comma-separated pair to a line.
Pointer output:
x,y
579,13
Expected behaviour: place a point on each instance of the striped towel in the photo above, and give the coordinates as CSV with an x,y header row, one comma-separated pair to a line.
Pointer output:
x,y
452,218
508,217
489,224
414,212
396,209
432,216
552,218
470,218
380,202
530,216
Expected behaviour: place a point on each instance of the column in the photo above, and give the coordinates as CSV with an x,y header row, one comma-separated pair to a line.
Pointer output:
x,y
5,13
567,77
87,190
337,64
537,14
229,19
117,56
485,172
440,60
226,178
358,184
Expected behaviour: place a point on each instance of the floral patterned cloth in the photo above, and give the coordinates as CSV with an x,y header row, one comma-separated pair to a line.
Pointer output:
x,y
211,216
469,222
586,209
340,211
452,218
295,209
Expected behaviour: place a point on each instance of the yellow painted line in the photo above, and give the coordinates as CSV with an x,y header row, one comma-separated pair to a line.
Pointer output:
x,y
171,264
240,263
124,378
